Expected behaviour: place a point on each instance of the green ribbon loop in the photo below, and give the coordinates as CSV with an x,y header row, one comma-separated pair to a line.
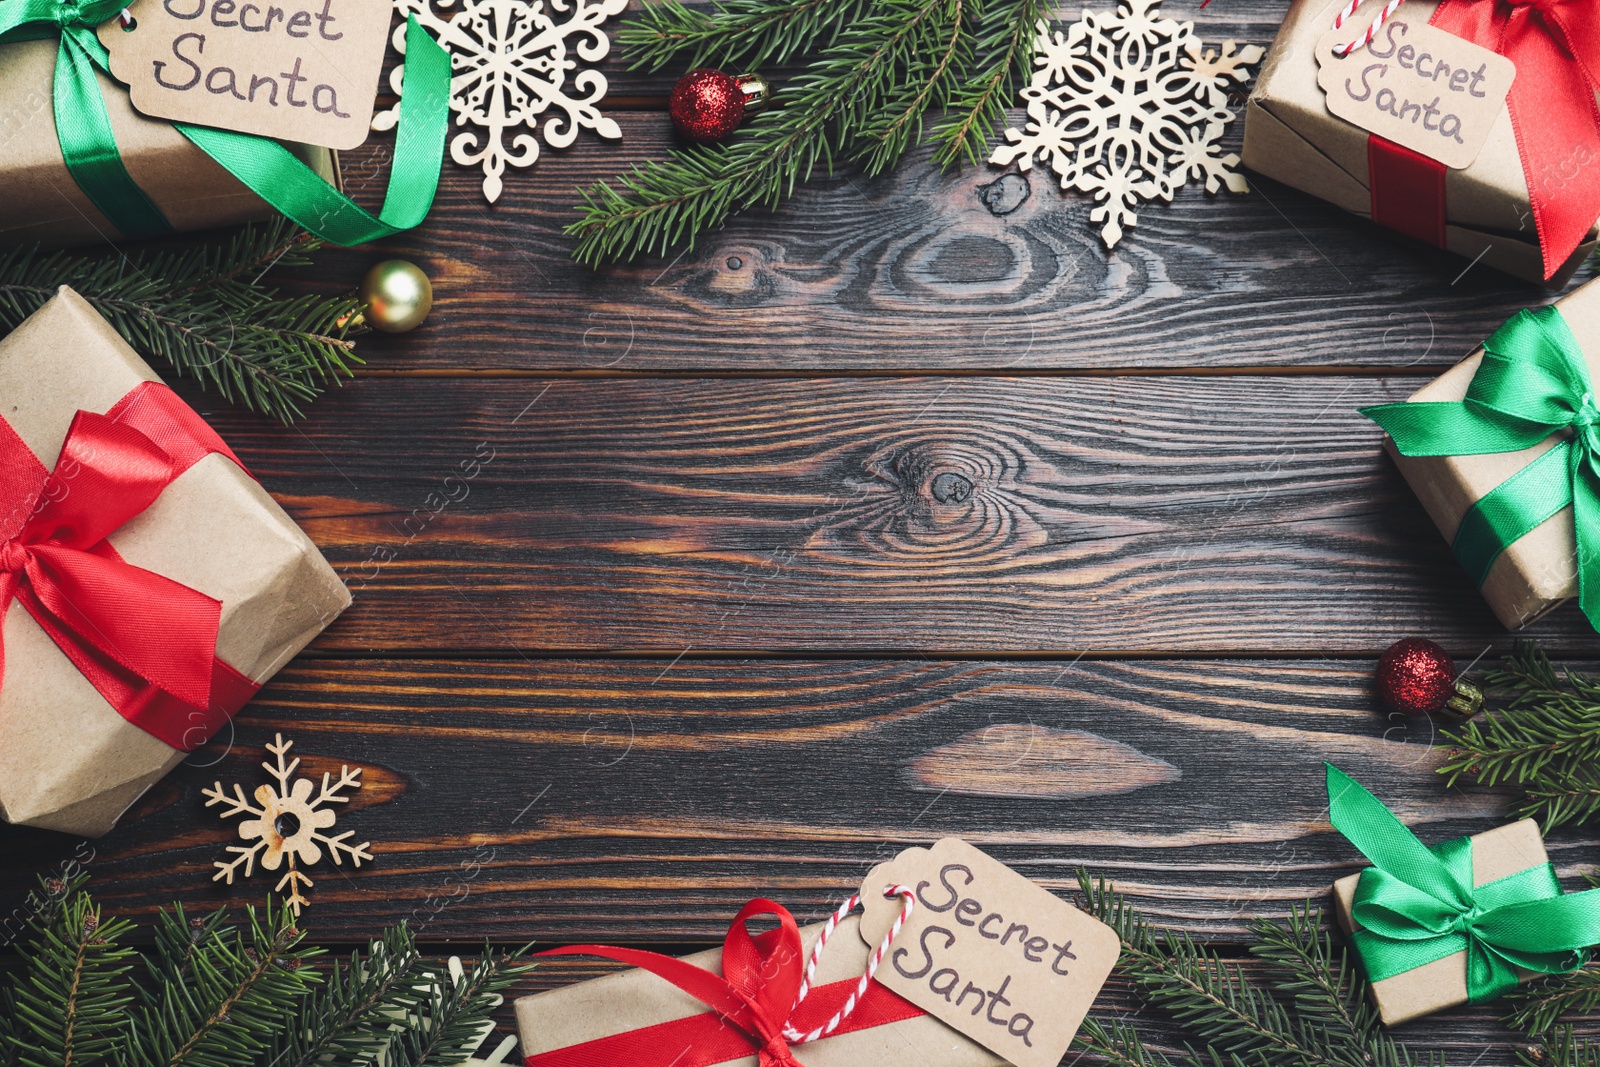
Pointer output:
x,y
1418,904
89,148
1533,382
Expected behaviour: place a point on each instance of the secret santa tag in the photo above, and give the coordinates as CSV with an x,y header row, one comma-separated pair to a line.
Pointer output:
x,y
297,70
988,952
1418,86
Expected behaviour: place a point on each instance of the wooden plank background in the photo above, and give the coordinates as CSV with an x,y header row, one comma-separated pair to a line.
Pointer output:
x,y
889,515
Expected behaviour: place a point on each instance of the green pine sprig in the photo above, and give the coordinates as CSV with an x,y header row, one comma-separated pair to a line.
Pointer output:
x,y
74,1007
1564,1049
214,994
1310,1012
218,992
876,71
741,34
1544,739
204,312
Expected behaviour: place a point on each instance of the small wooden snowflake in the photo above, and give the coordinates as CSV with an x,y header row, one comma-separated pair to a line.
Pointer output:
x,y
1128,106
514,63
288,823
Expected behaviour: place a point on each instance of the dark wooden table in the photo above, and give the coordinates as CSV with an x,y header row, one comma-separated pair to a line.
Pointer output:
x,y
880,518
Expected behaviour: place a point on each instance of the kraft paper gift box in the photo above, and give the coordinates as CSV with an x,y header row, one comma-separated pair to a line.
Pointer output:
x,y
1290,135
1442,984
68,760
43,204
635,999
1538,571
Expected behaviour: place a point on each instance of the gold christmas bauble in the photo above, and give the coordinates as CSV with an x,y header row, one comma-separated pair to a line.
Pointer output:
x,y
395,296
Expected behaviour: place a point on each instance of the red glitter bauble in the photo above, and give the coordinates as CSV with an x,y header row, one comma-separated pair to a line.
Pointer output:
x,y
706,104
1416,677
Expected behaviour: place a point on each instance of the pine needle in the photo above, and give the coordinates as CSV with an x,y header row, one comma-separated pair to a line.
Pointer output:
x,y
204,313
1545,739
212,994
875,73
1564,1049
1312,1012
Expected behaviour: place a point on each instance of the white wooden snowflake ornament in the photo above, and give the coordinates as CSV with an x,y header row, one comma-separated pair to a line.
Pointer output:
x,y
510,60
288,823
1128,106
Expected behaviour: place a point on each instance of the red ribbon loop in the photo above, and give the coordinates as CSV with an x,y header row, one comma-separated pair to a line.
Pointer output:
x,y
147,643
750,1001
1556,47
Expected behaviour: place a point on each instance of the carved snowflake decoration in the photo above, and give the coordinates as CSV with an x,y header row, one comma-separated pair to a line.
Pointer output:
x,y
1128,106
510,61
288,824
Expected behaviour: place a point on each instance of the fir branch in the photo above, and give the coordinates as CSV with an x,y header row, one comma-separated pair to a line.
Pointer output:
x,y
1540,1005
215,1000
211,994
1004,59
1564,1049
1196,987
661,204
449,1021
1242,1022
204,312
895,124
1545,739
1120,1045
73,1011
1328,993
355,1002
878,71
734,33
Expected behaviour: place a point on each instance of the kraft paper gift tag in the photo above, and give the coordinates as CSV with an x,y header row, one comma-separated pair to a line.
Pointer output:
x,y
301,70
988,952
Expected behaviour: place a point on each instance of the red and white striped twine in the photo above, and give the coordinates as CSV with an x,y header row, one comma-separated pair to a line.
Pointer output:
x,y
794,1036
1372,30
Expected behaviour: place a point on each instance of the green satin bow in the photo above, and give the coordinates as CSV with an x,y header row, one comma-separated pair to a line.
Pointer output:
x,y
1533,382
90,150
1418,904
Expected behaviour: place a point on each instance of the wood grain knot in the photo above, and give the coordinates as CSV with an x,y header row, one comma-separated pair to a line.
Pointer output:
x,y
1024,760
1005,194
956,501
948,487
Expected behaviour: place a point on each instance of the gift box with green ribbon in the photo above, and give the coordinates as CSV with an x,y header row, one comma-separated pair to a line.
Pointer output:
x,y
1501,450
78,164
1463,921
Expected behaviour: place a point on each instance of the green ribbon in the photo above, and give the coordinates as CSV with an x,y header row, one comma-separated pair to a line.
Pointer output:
x,y
271,171
1533,382
1419,904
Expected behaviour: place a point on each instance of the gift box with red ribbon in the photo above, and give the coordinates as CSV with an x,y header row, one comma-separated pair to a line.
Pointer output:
x,y
748,1004
149,586
1528,201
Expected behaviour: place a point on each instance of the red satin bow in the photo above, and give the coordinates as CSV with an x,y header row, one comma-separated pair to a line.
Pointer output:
x,y
1556,47
751,1002
146,643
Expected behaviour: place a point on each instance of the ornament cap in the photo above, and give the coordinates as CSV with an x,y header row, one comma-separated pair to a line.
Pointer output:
x,y
1467,702
757,92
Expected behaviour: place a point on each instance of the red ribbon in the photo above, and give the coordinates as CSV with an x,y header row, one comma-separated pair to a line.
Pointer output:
x,y
1556,47
145,642
750,1003
1407,190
